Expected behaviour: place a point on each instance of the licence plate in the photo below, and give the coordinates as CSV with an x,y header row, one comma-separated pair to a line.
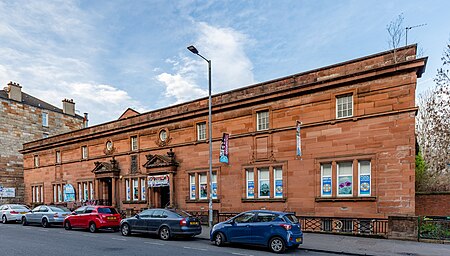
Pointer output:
x,y
23,212
111,218
298,240
194,222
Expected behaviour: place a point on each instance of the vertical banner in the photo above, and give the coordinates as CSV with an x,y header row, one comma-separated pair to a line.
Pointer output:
x,y
279,188
364,185
250,189
299,139
224,149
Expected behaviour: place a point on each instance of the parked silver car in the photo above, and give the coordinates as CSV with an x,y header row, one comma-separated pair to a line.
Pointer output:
x,y
12,212
46,216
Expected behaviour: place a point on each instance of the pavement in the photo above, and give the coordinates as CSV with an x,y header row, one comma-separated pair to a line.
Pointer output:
x,y
353,245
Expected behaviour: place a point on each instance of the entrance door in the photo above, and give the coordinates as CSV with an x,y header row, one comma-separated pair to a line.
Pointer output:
x,y
165,196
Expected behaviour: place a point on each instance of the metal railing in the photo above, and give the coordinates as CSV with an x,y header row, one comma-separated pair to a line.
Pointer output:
x,y
435,228
351,226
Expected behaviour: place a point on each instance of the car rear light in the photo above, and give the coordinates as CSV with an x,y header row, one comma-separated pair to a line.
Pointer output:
x,y
183,222
286,226
14,212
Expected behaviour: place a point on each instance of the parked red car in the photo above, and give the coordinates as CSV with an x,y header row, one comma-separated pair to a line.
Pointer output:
x,y
93,218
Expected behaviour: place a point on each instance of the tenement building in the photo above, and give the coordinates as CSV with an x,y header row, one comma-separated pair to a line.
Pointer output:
x,y
334,141
24,118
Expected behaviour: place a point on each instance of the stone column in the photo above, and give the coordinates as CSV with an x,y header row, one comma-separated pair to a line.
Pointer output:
x,y
171,189
113,192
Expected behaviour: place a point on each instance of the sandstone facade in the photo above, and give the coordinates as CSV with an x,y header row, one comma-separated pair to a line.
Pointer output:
x,y
21,122
376,138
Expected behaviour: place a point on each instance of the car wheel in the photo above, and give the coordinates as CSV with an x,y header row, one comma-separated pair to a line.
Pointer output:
x,y
125,230
164,233
24,221
4,219
92,227
67,225
276,245
45,223
219,239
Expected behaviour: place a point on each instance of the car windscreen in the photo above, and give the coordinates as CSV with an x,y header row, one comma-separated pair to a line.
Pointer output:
x,y
291,218
107,210
18,207
58,209
181,213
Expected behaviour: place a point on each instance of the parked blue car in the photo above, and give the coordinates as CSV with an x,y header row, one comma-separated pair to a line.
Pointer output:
x,y
276,230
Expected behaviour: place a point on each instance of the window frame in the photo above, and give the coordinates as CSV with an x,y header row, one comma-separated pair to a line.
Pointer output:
x,y
258,120
359,178
247,186
84,152
338,175
200,183
341,96
58,156
36,161
266,169
322,176
135,189
275,179
134,145
192,186
128,189
44,117
201,131
143,189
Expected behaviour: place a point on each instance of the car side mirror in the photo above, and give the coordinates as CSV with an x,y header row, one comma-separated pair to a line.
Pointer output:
x,y
137,216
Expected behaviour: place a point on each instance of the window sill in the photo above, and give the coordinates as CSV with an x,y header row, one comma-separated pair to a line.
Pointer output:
x,y
202,200
253,200
135,202
346,199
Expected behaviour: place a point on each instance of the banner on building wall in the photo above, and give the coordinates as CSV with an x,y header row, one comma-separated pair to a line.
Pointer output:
x,y
299,139
8,192
250,189
224,148
364,185
278,188
69,193
158,181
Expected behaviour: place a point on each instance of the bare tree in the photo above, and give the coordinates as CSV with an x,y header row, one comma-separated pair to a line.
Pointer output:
x,y
433,129
396,32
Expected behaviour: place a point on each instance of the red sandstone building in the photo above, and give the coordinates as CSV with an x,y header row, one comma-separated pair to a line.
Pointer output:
x,y
357,147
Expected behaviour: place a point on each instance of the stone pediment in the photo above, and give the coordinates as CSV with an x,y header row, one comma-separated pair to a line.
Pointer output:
x,y
157,161
106,167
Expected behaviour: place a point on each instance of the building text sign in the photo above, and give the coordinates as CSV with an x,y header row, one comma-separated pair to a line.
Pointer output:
x,y
158,181
8,192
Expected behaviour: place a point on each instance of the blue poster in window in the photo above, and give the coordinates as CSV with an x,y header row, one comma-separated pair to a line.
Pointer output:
x,y
279,188
326,186
364,185
251,189
69,193
214,187
192,191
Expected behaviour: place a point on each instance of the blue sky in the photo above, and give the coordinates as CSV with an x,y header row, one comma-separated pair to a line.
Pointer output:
x,y
110,55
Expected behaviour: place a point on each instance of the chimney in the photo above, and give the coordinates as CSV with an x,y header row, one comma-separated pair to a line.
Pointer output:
x,y
68,107
85,120
14,91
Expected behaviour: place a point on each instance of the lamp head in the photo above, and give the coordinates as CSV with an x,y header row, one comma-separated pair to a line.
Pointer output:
x,y
192,49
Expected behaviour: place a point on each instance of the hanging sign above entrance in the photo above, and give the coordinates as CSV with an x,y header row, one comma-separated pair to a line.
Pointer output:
x,y
158,181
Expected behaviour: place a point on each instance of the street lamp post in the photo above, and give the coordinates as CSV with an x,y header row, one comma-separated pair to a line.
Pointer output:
x,y
210,204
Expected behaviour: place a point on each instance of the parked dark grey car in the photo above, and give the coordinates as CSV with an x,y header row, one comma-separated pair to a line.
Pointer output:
x,y
164,222
46,215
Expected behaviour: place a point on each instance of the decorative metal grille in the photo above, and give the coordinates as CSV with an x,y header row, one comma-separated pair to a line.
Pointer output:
x,y
435,228
134,164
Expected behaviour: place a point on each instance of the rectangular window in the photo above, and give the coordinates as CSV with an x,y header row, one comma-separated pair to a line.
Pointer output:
x,y
45,119
214,185
201,131
91,190
250,183
143,189
263,183
84,152
364,178
127,188
203,186
262,120
36,161
80,192
278,182
135,189
192,187
58,157
344,106
60,195
54,193
134,143
85,191
345,179
37,194
326,177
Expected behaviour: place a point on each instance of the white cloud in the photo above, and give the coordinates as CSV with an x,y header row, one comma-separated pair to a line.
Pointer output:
x,y
231,67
